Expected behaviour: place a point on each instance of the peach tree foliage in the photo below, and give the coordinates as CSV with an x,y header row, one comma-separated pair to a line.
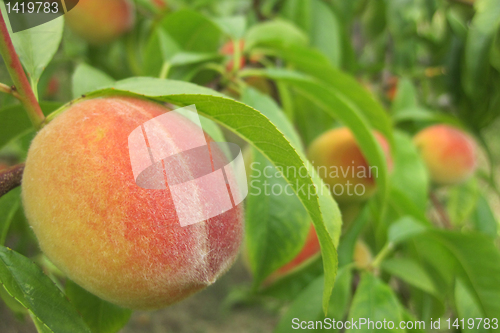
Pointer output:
x,y
425,265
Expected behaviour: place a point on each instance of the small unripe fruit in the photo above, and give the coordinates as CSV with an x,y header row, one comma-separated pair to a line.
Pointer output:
x,y
120,241
228,48
449,153
342,166
362,255
100,22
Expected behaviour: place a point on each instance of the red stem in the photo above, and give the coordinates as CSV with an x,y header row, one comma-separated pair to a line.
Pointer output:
x,y
16,71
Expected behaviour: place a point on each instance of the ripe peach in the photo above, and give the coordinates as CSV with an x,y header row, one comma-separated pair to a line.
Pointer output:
x,y
100,22
121,242
341,164
449,153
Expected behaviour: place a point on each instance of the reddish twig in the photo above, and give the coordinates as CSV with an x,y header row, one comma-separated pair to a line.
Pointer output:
x,y
11,178
16,72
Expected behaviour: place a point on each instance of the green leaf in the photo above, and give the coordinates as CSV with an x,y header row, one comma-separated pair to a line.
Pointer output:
x,y
233,26
189,58
87,78
277,32
192,31
404,229
406,96
462,201
268,107
37,46
376,301
255,128
276,224
479,262
339,106
325,33
341,84
100,316
306,307
9,204
419,114
477,49
15,121
410,173
26,282
160,48
483,218
291,285
467,307
410,272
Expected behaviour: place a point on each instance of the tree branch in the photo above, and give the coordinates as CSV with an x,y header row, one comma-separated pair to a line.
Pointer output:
x,y
16,72
11,178
9,90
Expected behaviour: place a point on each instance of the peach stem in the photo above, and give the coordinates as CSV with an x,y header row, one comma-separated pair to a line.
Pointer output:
x,y
16,72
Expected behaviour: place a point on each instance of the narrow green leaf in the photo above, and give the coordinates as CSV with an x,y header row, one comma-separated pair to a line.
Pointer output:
x,y
375,301
467,308
342,108
276,223
233,26
306,307
410,272
479,260
484,219
406,96
36,46
314,63
462,201
268,107
404,229
87,78
325,33
410,173
100,316
277,32
26,282
9,204
192,31
15,121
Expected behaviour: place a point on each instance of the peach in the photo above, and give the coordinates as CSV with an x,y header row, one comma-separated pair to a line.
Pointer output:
x,y
100,22
120,241
449,153
342,166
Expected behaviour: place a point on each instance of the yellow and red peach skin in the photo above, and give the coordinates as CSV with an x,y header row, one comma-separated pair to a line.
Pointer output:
x,y
341,164
119,241
100,22
449,153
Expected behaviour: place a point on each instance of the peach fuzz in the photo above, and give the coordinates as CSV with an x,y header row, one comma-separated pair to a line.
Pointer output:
x,y
119,241
449,153
100,22
342,166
